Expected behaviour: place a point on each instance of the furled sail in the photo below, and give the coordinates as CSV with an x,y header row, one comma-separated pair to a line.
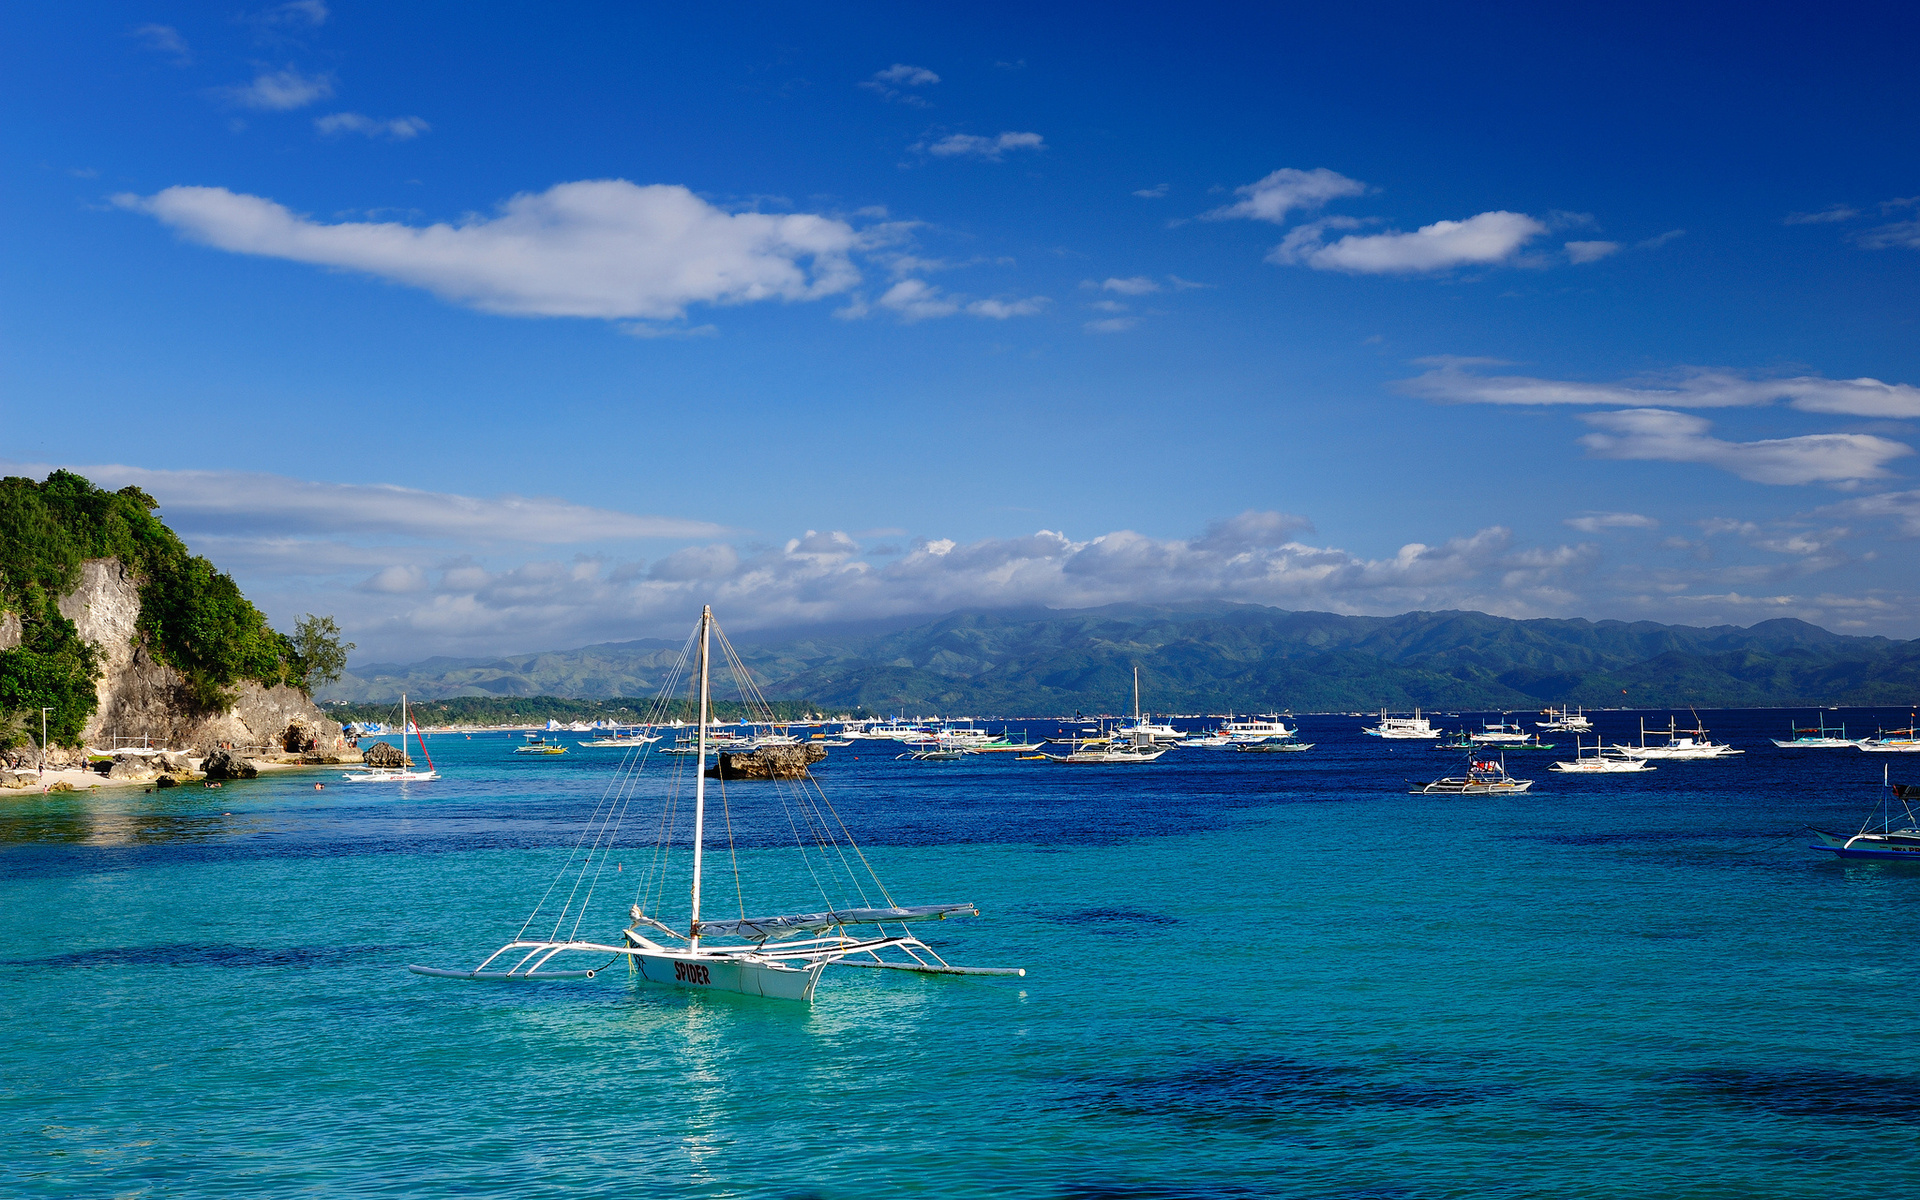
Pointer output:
x,y
762,928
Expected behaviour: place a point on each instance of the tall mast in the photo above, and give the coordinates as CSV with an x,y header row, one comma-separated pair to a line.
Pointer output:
x,y
403,731
700,781
1136,695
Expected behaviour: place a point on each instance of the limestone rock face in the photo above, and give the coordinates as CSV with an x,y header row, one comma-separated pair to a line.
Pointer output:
x,y
768,762
143,698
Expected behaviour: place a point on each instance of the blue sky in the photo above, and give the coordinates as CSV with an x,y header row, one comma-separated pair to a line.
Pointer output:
x,y
502,328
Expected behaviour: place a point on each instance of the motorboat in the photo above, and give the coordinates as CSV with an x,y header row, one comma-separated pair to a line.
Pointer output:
x,y
1681,744
1256,729
1206,741
1407,728
1484,777
1561,721
1818,737
1895,837
1277,746
535,744
1601,762
631,739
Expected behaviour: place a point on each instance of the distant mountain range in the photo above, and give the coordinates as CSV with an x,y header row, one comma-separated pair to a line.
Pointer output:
x,y
1216,657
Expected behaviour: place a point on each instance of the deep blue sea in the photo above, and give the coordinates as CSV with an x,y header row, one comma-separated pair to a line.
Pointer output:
x,y
1247,975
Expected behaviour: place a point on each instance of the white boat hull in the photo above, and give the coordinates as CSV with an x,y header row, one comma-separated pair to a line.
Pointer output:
x,y
719,973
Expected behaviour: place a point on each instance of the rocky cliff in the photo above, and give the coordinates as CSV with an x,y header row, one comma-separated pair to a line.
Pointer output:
x,y
143,698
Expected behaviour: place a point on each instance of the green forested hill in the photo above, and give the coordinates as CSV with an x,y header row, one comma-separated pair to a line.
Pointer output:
x,y
1214,657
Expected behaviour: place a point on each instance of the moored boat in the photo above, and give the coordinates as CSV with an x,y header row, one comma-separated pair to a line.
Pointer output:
x,y
1484,777
1895,837
1402,728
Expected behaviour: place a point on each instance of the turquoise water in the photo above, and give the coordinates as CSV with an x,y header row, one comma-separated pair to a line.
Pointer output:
x,y
1247,975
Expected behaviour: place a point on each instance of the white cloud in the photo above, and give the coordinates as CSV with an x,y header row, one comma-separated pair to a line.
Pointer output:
x,y
1659,240
1665,436
1138,285
596,248
398,129
310,13
1256,557
228,502
916,300
1000,310
1153,193
1697,388
278,91
1284,191
1586,252
1594,522
1837,212
967,145
887,83
1903,235
1484,240
1902,508
164,39
907,76
1111,325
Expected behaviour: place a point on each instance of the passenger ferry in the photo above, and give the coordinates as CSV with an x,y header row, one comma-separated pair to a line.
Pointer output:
x,y
1415,726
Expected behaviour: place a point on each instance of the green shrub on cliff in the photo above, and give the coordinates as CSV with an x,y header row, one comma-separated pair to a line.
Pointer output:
x,y
192,616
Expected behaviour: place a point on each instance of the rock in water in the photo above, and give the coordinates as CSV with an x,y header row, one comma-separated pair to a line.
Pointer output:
x,y
386,756
224,764
768,762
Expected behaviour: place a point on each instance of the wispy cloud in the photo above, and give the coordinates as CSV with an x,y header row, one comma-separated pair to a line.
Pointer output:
x,y
1489,239
888,83
1837,212
1586,252
279,91
164,39
1284,191
247,502
1153,193
1902,235
1451,380
395,129
598,248
917,300
1111,324
1665,436
1137,285
1595,522
992,149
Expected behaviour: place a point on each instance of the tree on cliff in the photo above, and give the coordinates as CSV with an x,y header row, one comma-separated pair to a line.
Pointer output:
x,y
192,616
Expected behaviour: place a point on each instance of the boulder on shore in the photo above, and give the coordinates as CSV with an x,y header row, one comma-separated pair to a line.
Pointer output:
x,y
768,762
224,764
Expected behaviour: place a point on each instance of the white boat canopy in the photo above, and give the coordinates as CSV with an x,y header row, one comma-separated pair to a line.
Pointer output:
x,y
764,928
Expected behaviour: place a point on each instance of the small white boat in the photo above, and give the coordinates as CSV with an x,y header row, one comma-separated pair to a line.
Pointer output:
x,y
630,739
1278,746
1601,762
399,774
1818,738
1886,841
1504,733
1561,721
1484,777
1681,744
1139,747
1402,728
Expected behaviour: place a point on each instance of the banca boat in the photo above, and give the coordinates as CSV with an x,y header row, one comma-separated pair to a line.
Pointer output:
x,y
1484,777
1601,762
1888,840
1819,737
1502,733
1561,721
1894,741
1681,744
778,957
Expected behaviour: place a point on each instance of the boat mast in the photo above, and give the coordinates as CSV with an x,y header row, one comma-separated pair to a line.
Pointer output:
x,y
700,782
1136,697
403,731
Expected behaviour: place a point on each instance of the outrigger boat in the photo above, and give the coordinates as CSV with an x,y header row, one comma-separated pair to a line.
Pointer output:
x,y
780,957
626,741
1140,747
1601,762
1506,733
1484,777
1885,841
1894,741
403,773
1680,744
1561,721
539,745
1818,738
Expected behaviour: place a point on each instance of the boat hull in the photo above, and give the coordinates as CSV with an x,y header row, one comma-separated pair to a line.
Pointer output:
x,y
717,973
